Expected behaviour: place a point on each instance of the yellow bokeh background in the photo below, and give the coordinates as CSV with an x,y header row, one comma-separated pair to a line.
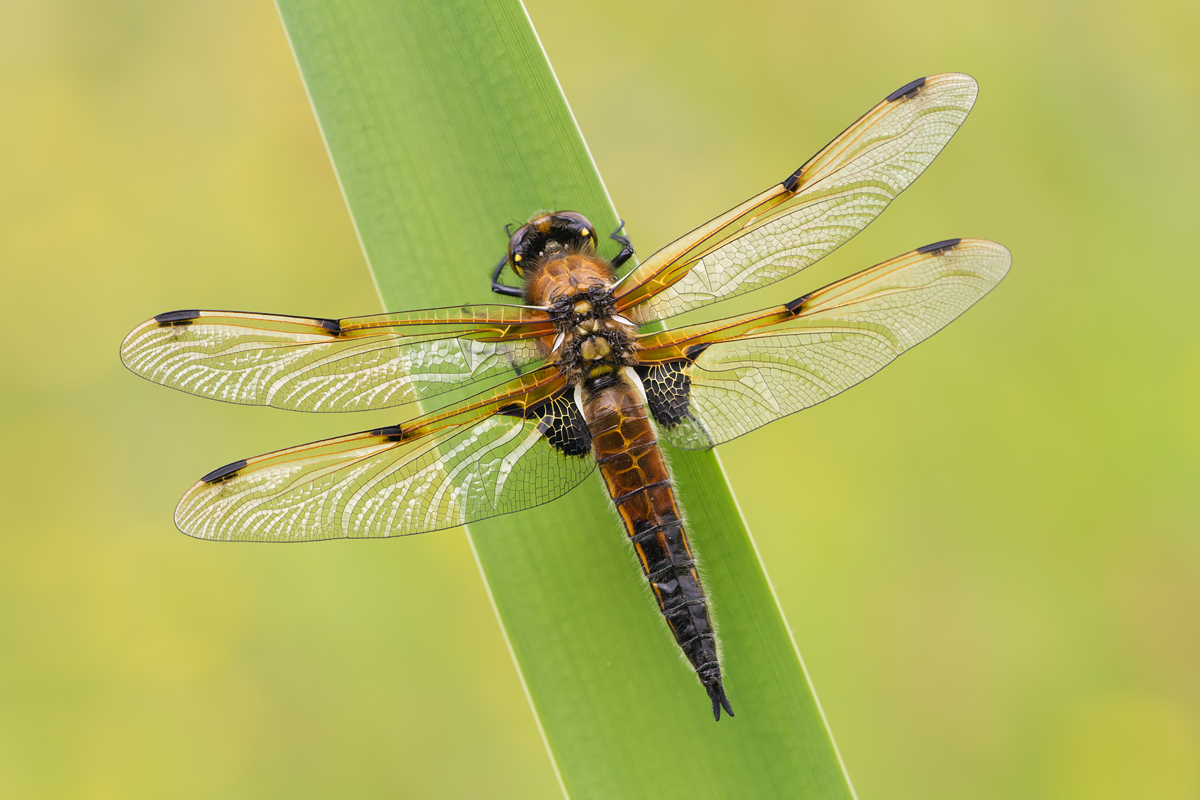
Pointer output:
x,y
988,553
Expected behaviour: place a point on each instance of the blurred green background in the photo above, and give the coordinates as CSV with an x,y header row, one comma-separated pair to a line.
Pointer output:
x,y
988,553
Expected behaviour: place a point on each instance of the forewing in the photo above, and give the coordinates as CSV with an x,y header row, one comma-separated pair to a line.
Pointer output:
x,y
510,449
711,383
355,364
816,209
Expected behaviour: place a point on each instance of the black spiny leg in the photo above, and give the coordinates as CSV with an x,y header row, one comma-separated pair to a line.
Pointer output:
x,y
500,288
626,248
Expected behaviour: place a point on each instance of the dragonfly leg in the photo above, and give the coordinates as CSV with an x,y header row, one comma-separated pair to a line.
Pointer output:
x,y
500,288
626,247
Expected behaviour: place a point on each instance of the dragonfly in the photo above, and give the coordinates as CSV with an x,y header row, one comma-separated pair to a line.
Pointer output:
x,y
571,379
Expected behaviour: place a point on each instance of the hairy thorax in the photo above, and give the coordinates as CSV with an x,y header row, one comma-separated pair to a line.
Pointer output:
x,y
593,342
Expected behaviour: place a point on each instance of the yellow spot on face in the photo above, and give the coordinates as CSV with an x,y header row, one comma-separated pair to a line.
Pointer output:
x,y
517,257
586,232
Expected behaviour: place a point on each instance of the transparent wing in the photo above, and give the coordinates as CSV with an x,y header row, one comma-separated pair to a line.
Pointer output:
x,y
819,207
712,383
513,448
307,364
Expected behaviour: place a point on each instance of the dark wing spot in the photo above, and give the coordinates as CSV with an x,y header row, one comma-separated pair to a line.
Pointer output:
x,y
793,180
668,390
906,91
177,317
693,352
561,423
797,305
393,433
564,427
939,247
511,410
224,473
331,325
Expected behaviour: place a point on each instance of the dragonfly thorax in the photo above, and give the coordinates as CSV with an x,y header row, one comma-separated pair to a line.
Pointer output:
x,y
562,274
593,340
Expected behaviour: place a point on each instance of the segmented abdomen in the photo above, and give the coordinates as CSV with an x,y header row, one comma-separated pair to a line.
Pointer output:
x,y
639,484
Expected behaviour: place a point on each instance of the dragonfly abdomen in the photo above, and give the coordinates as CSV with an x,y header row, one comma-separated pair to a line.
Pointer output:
x,y
627,452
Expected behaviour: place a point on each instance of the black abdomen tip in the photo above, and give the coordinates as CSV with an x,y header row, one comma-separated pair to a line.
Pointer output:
x,y
906,91
176,317
223,473
716,693
939,247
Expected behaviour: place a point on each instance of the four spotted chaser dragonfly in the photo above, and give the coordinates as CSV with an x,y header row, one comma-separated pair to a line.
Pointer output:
x,y
577,381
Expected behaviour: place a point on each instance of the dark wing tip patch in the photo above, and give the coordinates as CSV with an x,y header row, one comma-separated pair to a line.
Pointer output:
x,y
224,473
939,247
906,91
177,317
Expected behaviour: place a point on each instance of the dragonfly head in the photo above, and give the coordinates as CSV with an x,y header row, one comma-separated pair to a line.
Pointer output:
x,y
546,233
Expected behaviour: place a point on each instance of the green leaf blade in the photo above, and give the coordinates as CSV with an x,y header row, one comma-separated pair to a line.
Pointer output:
x,y
444,122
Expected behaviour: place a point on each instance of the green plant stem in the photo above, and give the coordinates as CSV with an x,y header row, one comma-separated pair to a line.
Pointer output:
x,y
444,122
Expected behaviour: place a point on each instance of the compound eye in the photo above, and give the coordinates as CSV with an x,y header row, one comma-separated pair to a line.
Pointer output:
x,y
577,226
589,235
518,249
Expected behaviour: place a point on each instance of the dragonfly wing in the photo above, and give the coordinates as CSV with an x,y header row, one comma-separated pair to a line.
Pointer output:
x,y
711,383
308,364
512,448
836,194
